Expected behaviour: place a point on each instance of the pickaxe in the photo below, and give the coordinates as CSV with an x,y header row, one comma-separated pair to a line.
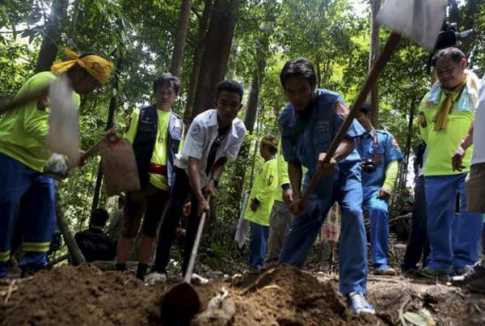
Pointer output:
x,y
419,20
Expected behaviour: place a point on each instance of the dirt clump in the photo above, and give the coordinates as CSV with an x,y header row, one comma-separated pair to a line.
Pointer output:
x,y
81,296
288,296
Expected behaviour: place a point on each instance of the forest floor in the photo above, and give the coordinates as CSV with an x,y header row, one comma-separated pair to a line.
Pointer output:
x,y
86,295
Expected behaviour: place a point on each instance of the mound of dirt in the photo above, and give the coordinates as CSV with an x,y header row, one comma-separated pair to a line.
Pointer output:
x,y
285,296
81,296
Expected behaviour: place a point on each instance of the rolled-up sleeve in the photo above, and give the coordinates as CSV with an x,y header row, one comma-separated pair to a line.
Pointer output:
x,y
194,142
287,145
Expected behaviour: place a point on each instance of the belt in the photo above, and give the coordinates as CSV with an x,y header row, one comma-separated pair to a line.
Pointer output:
x,y
157,169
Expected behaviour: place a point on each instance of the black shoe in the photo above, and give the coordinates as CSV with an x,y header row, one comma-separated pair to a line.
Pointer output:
x,y
120,267
141,271
473,273
434,274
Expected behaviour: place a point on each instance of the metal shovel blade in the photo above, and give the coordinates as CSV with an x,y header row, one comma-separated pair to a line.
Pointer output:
x,y
179,305
419,20
63,136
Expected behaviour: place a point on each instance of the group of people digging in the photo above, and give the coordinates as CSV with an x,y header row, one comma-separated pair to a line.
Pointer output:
x,y
176,168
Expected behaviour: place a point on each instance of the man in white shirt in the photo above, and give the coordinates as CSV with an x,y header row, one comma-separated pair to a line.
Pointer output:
x,y
214,137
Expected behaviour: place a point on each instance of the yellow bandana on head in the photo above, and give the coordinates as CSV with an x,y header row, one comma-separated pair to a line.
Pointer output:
x,y
95,65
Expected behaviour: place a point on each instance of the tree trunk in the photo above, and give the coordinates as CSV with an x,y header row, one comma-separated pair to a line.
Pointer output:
x,y
454,12
48,49
180,38
216,54
198,53
253,100
374,53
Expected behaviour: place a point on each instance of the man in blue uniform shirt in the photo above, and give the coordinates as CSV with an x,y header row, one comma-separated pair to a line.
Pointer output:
x,y
308,124
380,155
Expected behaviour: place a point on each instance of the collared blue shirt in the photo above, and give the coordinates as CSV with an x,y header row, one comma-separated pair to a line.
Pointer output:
x,y
307,134
380,147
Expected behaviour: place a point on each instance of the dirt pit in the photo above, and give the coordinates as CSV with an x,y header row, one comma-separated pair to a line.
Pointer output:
x,y
281,296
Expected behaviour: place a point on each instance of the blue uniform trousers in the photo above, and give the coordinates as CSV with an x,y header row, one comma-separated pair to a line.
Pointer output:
x,y
258,245
378,211
454,238
27,197
353,242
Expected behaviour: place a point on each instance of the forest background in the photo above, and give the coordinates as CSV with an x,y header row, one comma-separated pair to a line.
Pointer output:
x,y
204,42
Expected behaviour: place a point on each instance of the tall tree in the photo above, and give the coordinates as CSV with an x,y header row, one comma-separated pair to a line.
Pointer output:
x,y
253,100
198,53
180,37
52,35
374,53
216,55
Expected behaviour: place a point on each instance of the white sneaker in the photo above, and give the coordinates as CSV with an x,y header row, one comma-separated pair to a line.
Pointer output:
x,y
154,278
359,304
198,280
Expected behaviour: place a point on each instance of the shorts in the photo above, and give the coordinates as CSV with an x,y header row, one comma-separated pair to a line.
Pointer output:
x,y
149,204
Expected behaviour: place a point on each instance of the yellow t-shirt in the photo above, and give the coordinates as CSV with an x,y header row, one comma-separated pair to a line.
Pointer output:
x,y
23,131
264,184
442,144
159,155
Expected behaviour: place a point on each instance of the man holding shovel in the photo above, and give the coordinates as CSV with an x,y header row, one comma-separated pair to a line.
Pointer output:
x,y
214,137
308,124
26,193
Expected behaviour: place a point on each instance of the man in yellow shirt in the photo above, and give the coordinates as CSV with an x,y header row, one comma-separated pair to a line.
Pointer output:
x,y
155,133
261,200
27,196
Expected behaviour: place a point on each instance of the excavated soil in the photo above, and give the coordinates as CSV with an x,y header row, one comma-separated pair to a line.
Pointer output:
x,y
86,295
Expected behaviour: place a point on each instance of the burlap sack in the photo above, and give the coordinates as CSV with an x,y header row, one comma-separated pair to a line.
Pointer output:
x,y
119,167
331,228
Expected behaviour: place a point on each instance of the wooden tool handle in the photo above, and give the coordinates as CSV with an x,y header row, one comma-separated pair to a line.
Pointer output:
x,y
391,45
195,247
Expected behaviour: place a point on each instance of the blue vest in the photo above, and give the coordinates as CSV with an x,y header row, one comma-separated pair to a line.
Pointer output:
x,y
144,143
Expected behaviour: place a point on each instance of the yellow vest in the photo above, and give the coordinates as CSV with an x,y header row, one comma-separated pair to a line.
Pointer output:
x,y
159,155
